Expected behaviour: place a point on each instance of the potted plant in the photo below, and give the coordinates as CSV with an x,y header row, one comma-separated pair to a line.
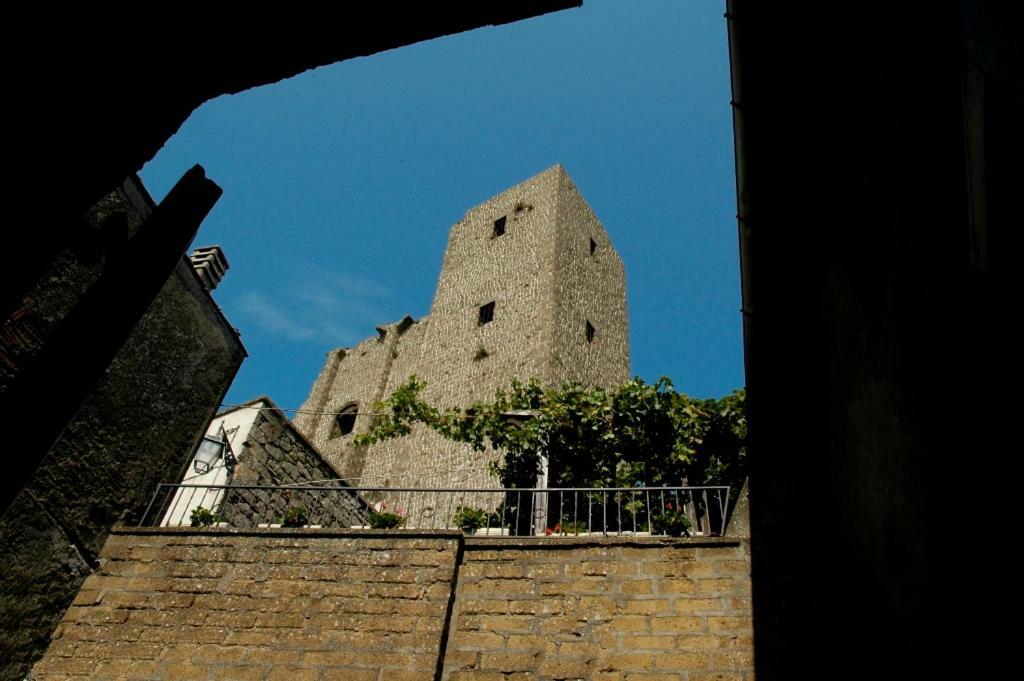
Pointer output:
x,y
203,517
385,520
573,528
672,522
469,520
295,516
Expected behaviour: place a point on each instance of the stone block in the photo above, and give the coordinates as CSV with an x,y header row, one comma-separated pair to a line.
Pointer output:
x,y
681,661
509,662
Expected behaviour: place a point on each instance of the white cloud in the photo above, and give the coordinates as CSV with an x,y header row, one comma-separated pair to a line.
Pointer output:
x,y
325,308
270,317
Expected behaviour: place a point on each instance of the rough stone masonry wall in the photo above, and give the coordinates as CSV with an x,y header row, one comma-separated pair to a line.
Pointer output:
x,y
545,285
302,604
350,376
591,287
274,454
516,272
463,361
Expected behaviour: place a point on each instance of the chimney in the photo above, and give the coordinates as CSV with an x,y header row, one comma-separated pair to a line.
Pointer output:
x,y
210,264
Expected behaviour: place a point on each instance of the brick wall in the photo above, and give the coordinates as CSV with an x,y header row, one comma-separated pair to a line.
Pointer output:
x,y
305,604
602,610
274,604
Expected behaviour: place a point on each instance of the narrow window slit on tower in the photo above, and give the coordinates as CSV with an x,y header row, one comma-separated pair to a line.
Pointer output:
x,y
590,332
499,226
593,247
486,314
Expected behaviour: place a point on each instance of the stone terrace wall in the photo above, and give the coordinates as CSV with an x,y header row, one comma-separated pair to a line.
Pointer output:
x,y
657,611
306,604
275,604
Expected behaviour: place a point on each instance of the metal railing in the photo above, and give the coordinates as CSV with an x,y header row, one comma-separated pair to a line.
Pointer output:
x,y
485,512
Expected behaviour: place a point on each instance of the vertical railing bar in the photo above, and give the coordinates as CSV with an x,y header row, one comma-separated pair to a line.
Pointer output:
x,y
519,509
680,505
165,506
575,512
433,505
650,528
191,498
150,505
178,498
604,512
618,515
706,525
726,507
171,499
536,517
339,508
186,504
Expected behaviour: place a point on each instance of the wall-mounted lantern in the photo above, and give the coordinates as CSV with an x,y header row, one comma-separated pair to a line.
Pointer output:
x,y
212,448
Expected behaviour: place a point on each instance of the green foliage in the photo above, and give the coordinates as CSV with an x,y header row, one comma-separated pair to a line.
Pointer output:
x,y
203,517
573,527
672,523
637,434
386,520
295,516
469,519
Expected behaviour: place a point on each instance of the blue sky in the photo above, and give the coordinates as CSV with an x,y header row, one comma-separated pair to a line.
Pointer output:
x,y
340,184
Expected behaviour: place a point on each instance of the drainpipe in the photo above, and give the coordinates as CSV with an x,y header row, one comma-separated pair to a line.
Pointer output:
x,y
743,214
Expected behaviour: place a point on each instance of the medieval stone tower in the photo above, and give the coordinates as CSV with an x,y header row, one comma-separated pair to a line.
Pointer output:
x,y
530,287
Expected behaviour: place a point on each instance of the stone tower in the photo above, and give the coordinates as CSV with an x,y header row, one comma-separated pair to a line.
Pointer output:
x,y
530,287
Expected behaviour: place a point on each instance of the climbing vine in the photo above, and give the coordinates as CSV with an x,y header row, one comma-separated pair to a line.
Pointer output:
x,y
635,434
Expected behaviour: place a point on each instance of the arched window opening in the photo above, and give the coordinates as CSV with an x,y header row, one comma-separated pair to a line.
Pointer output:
x,y
345,421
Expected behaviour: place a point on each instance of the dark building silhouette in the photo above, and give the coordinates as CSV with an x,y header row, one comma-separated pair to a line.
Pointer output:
x,y
878,150
133,429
